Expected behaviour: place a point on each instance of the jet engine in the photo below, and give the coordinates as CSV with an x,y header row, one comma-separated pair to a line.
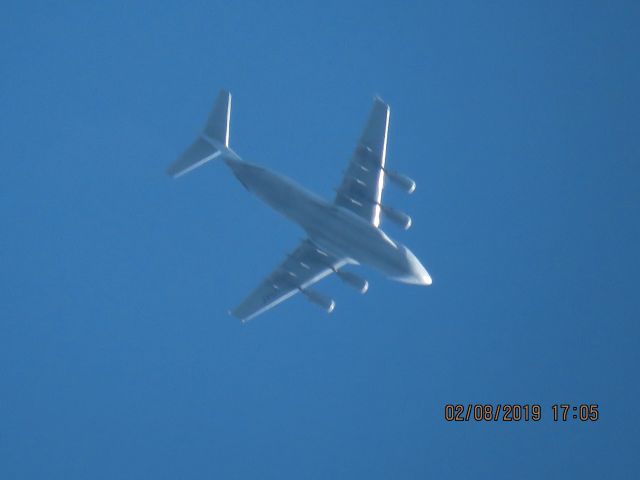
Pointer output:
x,y
397,217
355,281
402,181
322,301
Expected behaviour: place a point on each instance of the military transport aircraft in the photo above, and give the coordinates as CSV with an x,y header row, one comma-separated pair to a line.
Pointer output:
x,y
344,231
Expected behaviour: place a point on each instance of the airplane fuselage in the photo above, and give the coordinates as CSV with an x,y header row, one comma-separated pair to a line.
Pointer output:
x,y
333,229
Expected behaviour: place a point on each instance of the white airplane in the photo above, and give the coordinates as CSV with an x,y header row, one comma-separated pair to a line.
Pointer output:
x,y
345,231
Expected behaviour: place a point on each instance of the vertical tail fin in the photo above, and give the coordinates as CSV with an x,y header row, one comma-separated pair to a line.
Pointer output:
x,y
213,141
217,126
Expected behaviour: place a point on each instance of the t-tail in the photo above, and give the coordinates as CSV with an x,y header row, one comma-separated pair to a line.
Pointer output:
x,y
211,143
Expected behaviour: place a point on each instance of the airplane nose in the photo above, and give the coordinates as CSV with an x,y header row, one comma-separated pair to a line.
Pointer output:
x,y
419,274
423,276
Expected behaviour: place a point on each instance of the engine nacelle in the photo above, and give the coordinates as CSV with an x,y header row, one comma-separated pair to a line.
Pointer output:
x,y
355,281
402,181
397,217
322,301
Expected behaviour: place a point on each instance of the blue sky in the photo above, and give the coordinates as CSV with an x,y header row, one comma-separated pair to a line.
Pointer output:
x,y
518,120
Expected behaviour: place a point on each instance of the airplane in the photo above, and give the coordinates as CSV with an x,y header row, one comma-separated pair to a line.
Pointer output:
x,y
345,231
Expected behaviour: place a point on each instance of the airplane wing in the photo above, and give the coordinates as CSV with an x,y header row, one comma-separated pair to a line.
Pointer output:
x,y
302,268
361,188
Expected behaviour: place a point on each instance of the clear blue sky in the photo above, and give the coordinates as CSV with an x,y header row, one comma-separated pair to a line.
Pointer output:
x,y
520,122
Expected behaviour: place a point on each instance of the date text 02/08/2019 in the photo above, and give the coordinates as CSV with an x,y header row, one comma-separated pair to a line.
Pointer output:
x,y
514,412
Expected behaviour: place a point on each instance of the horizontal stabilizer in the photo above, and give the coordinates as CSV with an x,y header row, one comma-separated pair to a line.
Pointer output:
x,y
199,153
213,141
